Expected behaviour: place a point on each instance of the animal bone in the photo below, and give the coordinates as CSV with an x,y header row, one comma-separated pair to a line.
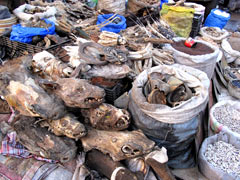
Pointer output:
x,y
107,117
24,94
41,142
68,126
118,144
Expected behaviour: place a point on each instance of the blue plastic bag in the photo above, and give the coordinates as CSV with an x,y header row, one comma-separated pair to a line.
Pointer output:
x,y
162,2
215,19
112,27
25,34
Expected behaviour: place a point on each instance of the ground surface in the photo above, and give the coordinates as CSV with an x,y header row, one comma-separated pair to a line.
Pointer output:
x,y
234,22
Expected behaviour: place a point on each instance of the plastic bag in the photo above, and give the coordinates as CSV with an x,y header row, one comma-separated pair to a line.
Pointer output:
x,y
112,27
25,34
209,170
179,18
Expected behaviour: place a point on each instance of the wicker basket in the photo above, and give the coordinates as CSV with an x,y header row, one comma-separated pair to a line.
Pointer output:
x,y
17,49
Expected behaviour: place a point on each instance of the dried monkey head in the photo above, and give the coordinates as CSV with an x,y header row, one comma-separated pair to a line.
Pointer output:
x,y
68,126
119,145
107,117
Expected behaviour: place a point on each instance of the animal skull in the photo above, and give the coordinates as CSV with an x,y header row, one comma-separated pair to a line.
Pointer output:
x,y
107,117
118,144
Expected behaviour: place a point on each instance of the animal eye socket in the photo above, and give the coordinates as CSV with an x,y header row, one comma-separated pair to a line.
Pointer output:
x,y
64,124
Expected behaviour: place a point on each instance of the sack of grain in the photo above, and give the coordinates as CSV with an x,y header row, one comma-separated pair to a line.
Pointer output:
x,y
219,157
225,116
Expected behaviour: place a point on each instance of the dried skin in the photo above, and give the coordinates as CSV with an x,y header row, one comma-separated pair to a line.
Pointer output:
x,y
107,117
110,71
79,93
67,126
180,94
118,144
22,93
41,142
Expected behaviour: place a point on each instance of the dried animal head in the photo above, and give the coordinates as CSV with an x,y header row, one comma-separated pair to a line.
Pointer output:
x,y
118,144
79,93
68,126
46,64
107,117
41,142
25,95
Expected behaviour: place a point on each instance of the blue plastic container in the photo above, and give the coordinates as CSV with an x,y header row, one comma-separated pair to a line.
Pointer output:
x,y
112,27
217,18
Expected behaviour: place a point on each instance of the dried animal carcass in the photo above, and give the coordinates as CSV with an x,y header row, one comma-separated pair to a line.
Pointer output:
x,y
109,71
77,93
94,53
24,94
107,117
67,126
49,67
41,142
118,144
